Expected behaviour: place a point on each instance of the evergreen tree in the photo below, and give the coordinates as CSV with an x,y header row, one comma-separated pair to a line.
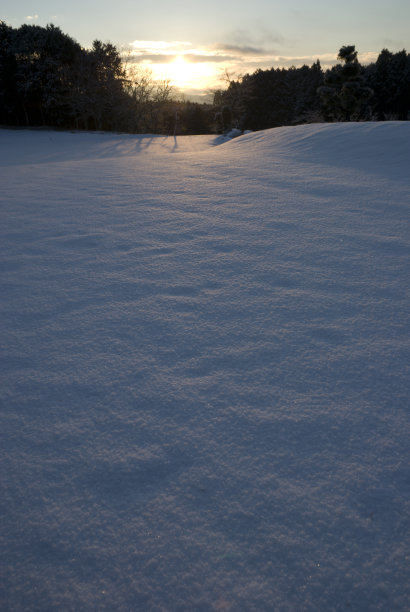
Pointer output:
x,y
389,77
344,92
270,98
32,70
8,69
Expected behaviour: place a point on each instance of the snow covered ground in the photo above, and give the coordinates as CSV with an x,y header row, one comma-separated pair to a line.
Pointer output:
x,y
205,371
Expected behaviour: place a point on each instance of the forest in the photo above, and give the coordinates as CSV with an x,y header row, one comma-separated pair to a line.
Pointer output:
x,y
48,79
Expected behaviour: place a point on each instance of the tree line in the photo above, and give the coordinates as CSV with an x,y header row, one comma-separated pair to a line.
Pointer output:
x,y
348,91
48,79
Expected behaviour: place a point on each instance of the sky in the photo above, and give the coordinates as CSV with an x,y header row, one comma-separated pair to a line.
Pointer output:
x,y
195,43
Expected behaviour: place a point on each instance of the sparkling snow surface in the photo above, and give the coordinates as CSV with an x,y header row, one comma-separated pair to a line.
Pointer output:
x,y
205,371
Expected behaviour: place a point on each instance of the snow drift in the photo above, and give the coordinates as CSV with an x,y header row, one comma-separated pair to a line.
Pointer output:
x,y
205,374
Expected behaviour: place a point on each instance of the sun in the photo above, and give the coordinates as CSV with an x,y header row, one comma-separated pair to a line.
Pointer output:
x,y
185,75
180,72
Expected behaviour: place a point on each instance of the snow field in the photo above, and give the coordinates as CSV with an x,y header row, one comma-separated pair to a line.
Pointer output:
x,y
205,370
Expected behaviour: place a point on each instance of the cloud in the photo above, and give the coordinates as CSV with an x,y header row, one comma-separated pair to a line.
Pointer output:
x,y
164,52
197,58
368,57
192,58
32,17
155,51
258,46
261,39
159,46
248,56
241,49
152,58
326,60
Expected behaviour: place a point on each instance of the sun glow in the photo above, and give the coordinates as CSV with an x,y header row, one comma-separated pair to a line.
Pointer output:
x,y
180,72
185,76
189,70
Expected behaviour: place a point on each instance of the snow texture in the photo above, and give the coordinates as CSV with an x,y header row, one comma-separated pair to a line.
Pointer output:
x,y
205,371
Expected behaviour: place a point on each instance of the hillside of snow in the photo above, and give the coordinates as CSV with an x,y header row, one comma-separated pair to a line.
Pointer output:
x,y
205,376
